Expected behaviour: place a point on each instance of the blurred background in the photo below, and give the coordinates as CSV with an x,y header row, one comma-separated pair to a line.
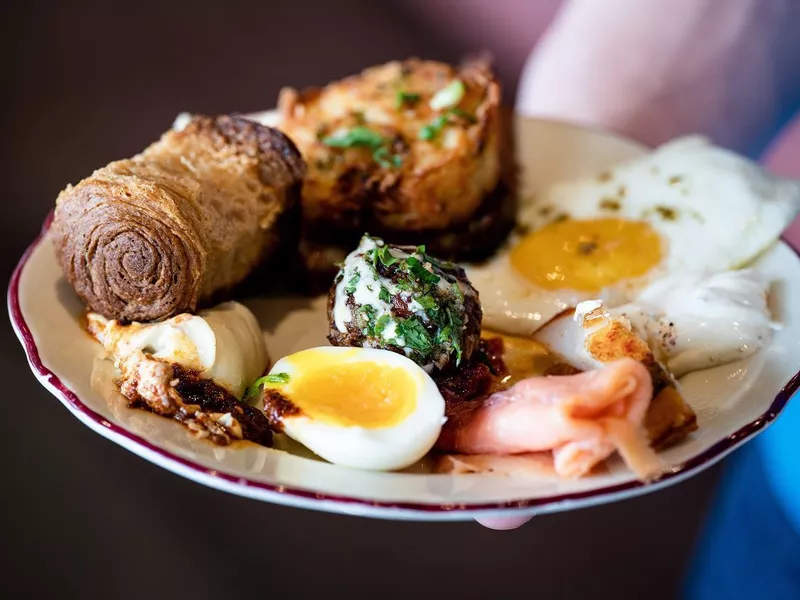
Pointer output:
x,y
90,82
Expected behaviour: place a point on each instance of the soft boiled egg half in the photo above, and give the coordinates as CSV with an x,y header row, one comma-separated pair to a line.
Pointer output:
x,y
357,407
687,207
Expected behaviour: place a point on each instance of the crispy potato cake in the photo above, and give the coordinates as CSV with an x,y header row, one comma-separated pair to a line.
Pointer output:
x,y
407,146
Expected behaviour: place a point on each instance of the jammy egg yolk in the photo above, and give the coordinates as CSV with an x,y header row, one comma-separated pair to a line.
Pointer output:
x,y
587,255
356,394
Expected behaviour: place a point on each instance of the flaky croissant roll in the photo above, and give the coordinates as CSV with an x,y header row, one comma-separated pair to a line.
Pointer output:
x,y
181,223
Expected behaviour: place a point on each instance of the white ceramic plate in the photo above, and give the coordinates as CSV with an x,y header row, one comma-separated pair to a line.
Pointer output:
x,y
734,402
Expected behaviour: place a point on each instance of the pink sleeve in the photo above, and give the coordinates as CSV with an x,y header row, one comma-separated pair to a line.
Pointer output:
x,y
654,70
783,158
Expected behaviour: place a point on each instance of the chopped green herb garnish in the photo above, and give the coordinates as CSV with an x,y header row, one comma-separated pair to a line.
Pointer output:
x,y
386,257
427,133
385,159
416,336
357,136
359,117
380,157
420,271
271,378
434,261
351,285
454,320
449,335
404,285
434,330
432,129
406,98
463,114
428,302
367,310
383,321
367,313
448,96
457,348
277,378
371,256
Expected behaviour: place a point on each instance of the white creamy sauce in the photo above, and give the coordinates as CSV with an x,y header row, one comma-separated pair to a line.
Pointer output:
x,y
391,333
341,312
416,308
367,289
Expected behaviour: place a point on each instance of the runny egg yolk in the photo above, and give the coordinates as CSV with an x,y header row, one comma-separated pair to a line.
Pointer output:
x,y
523,357
587,255
355,394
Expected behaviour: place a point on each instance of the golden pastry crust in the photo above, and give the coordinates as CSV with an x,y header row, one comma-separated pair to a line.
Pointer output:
x,y
397,181
180,224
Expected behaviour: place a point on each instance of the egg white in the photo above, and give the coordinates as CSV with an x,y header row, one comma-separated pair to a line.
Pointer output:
x,y
696,321
713,210
383,449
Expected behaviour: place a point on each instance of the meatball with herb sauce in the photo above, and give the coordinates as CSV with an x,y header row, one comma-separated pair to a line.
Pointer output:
x,y
401,299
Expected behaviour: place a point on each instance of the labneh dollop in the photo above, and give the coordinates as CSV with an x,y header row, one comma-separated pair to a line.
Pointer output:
x,y
400,298
191,368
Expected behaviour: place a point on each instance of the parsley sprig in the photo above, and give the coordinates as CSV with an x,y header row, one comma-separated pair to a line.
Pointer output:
x,y
415,335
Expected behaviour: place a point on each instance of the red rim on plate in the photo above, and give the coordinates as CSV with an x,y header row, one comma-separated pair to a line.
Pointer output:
x,y
111,431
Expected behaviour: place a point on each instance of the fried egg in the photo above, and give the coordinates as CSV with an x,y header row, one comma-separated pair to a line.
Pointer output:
x,y
365,408
694,322
687,207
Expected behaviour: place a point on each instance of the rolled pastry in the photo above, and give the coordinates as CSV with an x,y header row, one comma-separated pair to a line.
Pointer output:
x,y
180,224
